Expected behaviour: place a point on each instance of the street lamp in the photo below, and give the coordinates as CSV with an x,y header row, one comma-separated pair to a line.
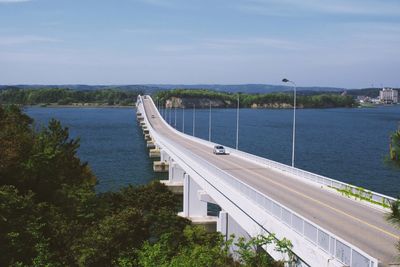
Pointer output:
x,y
194,117
209,124
237,123
183,119
294,116
175,119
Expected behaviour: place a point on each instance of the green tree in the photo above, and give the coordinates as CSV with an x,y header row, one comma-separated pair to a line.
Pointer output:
x,y
394,217
395,147
198,248
50,214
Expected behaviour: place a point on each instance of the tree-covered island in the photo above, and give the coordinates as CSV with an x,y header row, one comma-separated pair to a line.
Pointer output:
x,y
169,98
202,98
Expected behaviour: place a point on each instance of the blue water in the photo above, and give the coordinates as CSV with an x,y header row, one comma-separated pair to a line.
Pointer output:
x,y
345,144
111,143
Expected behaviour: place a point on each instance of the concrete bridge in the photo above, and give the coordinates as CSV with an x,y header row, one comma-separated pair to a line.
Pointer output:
x,y
260,196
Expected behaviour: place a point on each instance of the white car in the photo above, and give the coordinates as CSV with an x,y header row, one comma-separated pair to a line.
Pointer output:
x,y
219,150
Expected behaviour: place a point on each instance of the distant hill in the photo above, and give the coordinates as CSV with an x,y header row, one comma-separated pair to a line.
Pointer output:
x,y
246,88
83,87
234,88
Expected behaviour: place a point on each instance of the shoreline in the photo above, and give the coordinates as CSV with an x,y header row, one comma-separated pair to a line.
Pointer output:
x,y
75,106
89,105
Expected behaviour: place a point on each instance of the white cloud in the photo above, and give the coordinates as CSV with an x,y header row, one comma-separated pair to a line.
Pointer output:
x,y
26,39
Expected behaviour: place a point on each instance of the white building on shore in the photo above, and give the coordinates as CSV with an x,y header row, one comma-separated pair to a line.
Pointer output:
x,y
389,96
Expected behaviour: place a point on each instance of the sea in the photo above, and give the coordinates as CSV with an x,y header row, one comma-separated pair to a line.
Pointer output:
x,y
346,144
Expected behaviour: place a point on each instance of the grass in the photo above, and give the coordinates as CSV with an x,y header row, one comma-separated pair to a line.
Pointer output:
x,y
360,194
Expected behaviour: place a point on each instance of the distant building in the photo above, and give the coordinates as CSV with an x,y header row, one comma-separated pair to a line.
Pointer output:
x,y
388,96
363,99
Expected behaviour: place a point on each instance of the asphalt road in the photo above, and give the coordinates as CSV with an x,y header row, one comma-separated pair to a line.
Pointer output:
x,y
358,224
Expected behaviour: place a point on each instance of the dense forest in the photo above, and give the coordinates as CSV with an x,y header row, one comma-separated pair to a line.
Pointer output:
x,y
119,97
62,96
51,215
260,100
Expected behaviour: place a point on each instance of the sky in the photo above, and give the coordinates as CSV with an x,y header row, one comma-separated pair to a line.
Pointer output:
x,y
338,43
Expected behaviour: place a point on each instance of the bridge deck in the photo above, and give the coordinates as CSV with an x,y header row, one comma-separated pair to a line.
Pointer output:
x,y
358,224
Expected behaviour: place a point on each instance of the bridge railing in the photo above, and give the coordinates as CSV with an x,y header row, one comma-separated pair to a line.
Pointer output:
x,y
324,240
346,189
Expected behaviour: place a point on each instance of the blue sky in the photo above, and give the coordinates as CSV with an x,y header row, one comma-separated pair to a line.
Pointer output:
x,y
342,43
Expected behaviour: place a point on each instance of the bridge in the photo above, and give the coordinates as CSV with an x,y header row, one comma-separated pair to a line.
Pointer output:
x,y
260,196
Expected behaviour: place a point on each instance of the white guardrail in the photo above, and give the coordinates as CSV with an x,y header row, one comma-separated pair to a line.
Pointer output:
x,y
329,243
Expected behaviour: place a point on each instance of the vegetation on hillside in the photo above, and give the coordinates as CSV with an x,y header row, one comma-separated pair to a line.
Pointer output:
x,y
267,100
395,147
50,214
67,96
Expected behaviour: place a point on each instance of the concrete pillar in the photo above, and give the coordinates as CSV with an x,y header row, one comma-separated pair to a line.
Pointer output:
x,y
192,206
154,153
227,226
160,166
150,144
164,156
222,223
175,178
176,173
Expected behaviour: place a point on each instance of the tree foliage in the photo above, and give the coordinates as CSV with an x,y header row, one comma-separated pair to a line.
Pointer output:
x,y
67,96
261,100
395,147
50,214
394,216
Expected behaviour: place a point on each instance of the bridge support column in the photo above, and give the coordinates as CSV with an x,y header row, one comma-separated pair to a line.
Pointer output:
x,y
164,156
227,226
193,207
175,178
176,173
154,153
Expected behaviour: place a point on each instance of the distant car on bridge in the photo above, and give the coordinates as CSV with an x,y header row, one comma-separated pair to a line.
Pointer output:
x,y
152,116
219,150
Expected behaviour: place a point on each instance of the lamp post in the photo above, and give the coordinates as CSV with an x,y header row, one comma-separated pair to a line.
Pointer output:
x,y
294,116
209,124
194,117
183,119
237,124
175,118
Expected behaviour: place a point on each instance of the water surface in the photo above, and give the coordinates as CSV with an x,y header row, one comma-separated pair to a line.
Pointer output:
x,y
345,144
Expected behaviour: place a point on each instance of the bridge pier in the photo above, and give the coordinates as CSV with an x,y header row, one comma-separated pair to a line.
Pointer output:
x,y
151,144
160,166
227,226
154,153
175,178
164,156
195,205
